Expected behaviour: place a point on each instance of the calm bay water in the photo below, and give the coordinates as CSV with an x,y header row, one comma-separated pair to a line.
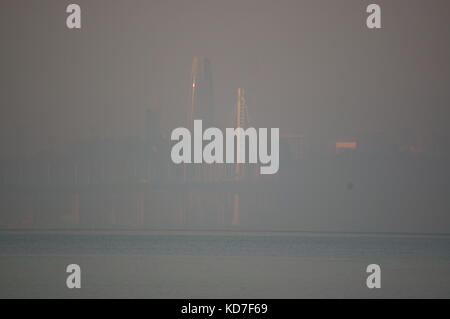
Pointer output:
x,y
223,264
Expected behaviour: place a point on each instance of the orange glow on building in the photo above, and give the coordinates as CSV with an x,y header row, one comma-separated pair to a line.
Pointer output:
x,y
346,145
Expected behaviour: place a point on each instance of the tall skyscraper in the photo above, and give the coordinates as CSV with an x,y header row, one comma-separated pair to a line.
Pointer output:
x,y
200,209
201,108
202,100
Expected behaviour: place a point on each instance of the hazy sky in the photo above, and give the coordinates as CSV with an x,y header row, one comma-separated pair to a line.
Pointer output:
x,y
309,66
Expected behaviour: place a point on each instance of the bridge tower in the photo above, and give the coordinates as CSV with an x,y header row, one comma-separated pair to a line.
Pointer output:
x,y
242,121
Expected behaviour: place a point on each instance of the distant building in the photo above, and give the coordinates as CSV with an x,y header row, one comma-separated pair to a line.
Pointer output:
x,y
155,165
295,144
